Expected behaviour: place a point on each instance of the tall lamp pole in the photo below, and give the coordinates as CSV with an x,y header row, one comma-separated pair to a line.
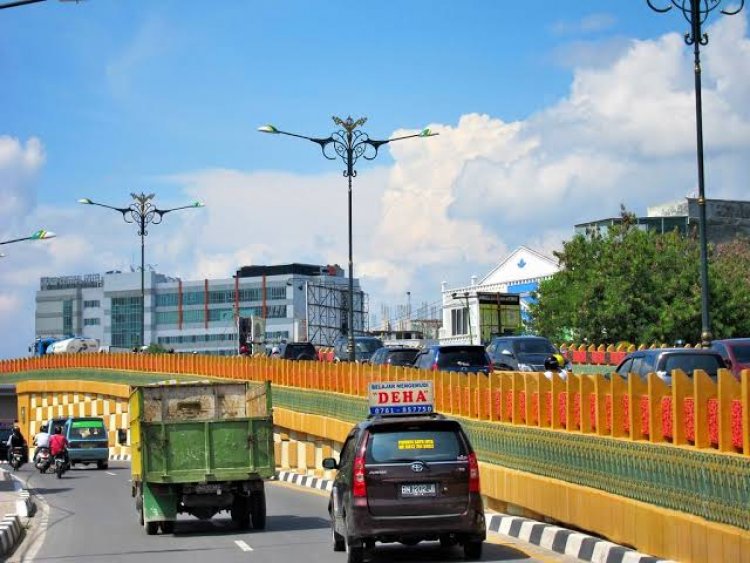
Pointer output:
x,y
142,213
349,143
696,13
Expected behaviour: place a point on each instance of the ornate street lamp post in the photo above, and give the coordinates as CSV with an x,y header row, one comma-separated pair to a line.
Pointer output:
x,y
349,143
142,213
696,13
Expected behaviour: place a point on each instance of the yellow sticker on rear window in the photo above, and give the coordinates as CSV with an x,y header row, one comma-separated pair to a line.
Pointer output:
x,y
422,444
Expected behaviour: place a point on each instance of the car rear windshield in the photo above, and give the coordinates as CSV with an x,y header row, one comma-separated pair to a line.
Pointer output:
x,y
741,353
294,349
462,356
534,346
403,356
369,345
87,430
409,445
691,362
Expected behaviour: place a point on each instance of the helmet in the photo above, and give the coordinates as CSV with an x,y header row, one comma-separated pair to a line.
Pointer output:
x,y
275,350
551,363
561,360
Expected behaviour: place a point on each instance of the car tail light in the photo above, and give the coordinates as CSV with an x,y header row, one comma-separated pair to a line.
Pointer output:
x,y
491,367
434,366
359,484
473,473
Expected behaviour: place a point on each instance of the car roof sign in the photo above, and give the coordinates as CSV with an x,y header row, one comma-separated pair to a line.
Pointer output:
x,y
394,398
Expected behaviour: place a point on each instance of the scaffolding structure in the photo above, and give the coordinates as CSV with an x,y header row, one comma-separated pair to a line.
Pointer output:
x,y
328,312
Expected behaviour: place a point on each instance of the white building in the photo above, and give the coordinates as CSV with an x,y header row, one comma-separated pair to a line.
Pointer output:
x,y
294,302
496,304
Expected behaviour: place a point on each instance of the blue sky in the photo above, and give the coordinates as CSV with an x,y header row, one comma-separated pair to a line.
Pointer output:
x,y
550,112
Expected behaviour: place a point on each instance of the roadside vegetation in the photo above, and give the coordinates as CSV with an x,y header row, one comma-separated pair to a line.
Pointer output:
x,y
632,285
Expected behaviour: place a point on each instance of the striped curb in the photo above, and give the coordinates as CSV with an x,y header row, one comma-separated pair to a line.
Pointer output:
x,y
10,533
567,542
305,480
119,457
547,536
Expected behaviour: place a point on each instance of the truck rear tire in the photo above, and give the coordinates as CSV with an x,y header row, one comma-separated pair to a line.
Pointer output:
x,y
167,527
258,509
152,528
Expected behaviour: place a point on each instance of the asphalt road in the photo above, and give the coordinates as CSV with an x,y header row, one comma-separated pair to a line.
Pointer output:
x,y
89,516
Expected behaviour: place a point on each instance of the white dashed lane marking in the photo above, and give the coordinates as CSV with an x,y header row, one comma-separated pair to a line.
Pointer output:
x,y
243,546
110,473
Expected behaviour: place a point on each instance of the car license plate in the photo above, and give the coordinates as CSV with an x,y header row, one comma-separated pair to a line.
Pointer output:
x,y
418,490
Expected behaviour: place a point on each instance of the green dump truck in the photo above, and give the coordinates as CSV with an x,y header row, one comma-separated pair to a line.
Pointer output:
x,y
201,448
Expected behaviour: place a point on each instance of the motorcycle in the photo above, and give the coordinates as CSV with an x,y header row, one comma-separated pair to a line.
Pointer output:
x,y
16,459
43,460
60,466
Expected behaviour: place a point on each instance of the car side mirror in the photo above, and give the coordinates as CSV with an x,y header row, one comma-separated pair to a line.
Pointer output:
x,y
122,436
330,463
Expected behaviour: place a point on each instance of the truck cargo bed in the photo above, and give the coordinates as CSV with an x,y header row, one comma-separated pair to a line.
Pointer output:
x,y
202,432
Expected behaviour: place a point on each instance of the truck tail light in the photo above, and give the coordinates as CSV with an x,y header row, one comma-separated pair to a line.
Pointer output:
x,y
359,483
473,473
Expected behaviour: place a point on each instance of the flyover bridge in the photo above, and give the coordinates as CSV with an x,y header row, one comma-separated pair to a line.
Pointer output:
x,y
663,469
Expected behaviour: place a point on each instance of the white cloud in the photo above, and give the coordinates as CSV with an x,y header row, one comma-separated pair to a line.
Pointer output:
x,y
19,165
449,206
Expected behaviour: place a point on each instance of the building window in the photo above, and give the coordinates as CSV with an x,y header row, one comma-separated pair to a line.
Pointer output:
x,y
276,292
193,298
68,316
166,317
459,321
91,322
93,304
126,321
272,312
166,300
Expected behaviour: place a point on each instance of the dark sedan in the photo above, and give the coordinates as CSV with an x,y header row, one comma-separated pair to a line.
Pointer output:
x,y
395,356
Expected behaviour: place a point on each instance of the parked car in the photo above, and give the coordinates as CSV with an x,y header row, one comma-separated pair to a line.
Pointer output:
x,y
5,432
736,353
406,479
662,361
522,353
465,358
396,356
297,351
364,348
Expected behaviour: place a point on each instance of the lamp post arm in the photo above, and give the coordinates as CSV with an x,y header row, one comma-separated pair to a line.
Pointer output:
x,y
122,210
15,240
19,3
162,212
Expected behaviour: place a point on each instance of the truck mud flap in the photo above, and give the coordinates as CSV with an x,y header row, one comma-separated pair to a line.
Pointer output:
x,y
159,503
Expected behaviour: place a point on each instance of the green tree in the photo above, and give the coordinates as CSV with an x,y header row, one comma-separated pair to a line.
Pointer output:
x,y
640,286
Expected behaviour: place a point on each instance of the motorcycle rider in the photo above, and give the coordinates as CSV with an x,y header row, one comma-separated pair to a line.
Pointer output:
x,y
58,445
41,440
555,364
15,440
